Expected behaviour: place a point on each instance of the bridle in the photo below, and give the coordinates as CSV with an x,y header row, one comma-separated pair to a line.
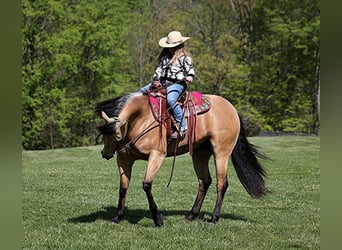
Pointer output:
x,y
127,146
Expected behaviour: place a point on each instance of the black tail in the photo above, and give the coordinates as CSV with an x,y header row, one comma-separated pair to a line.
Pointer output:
x,y
245,160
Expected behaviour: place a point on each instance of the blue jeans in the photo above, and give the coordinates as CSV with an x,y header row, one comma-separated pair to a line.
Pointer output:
x,y
173,93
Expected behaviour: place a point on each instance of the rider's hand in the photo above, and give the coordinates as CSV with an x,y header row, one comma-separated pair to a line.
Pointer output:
x,y
189,78
156,84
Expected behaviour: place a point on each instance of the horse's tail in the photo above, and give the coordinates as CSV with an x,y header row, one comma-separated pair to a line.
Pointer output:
x,y
245,160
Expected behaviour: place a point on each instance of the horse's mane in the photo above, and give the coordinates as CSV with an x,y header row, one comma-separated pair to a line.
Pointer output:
x,y
112,107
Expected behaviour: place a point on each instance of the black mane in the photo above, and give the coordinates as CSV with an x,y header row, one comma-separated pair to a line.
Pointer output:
x,y
112,107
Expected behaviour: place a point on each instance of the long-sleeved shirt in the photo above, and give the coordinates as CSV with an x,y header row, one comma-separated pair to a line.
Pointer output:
x,y
177,70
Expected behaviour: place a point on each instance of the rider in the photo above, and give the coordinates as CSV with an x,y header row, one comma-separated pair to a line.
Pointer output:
x,y
174,69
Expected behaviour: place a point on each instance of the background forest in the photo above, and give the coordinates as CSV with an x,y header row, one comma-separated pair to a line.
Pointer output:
x,y
262,55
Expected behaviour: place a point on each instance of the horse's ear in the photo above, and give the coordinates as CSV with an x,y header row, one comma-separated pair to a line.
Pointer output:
x,y
105,116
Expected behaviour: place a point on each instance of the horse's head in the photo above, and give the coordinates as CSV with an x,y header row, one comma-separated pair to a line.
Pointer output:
x,y
115,130
113,133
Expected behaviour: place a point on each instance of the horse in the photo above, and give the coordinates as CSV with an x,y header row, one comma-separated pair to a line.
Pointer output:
x,y
131,131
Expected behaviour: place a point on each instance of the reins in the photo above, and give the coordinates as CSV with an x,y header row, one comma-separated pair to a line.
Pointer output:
x,y
177,143
135,139
175,154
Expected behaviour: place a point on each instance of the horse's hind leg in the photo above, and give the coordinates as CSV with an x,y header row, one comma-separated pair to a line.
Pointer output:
x,y
200,160
221,163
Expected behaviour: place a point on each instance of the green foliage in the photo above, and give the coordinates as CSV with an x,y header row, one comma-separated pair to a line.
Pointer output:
x,y
285,64
48,122
264,56
70,195
74,51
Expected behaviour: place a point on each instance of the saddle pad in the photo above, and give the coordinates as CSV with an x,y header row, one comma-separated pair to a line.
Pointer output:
x,y
202,104
159,107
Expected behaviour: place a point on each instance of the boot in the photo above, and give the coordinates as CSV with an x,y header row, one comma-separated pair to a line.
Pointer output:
x,y
178,133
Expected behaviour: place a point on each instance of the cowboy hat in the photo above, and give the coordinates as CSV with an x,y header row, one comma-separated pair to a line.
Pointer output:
x,y
173,39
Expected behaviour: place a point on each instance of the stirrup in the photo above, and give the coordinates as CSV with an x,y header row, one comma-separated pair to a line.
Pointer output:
x,y
182,134
178,135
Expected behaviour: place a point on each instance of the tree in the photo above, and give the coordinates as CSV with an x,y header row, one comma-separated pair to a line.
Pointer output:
x,y
78,48
263,56
284,63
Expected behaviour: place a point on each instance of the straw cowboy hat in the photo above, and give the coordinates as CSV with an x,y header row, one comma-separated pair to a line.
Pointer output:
x,y
173,39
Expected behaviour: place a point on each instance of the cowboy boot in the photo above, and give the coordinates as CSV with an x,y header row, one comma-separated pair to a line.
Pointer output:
x,y
178,133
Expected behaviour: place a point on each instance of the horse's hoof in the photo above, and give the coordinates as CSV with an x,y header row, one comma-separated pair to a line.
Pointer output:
x,y
191,217
213,220
116,220
187,219
158,220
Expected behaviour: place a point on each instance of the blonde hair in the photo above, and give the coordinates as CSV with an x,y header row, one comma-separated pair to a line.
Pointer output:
x,y
179,50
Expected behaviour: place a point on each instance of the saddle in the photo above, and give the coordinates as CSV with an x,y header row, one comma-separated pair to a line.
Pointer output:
x,y
193,103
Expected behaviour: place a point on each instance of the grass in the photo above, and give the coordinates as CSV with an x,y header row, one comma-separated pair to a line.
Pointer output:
x,y
70,195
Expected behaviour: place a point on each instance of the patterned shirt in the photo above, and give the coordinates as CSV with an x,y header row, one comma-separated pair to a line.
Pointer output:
x,y
177,70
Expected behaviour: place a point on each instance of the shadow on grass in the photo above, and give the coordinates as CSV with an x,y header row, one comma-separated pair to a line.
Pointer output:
x,y
107,214
133,216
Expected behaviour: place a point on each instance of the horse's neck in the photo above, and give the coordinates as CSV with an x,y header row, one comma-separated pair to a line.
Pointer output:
x,y
138,116
137,108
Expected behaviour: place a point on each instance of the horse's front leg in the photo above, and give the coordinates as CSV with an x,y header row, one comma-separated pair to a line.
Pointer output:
x,y
154,162
125,170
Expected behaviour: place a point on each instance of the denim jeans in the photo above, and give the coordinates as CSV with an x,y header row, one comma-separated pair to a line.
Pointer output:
x,y
173,92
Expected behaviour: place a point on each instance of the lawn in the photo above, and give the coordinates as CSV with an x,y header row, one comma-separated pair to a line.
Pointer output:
x,y
70,195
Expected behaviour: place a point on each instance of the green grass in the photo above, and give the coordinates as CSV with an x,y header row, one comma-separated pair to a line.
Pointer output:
x,y
70,195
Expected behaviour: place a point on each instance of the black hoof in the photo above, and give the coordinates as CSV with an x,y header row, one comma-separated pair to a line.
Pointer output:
x,y
213,220
116,219
191,217
158,219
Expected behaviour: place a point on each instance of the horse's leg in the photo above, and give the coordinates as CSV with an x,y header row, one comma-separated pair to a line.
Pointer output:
x,y
221,163
154,162
125,170
200,160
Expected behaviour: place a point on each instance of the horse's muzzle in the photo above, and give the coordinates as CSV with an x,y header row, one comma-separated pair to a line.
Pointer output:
x,y
107,157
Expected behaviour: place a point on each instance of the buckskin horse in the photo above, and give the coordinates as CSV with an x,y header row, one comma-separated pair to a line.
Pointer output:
x,y
132,131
